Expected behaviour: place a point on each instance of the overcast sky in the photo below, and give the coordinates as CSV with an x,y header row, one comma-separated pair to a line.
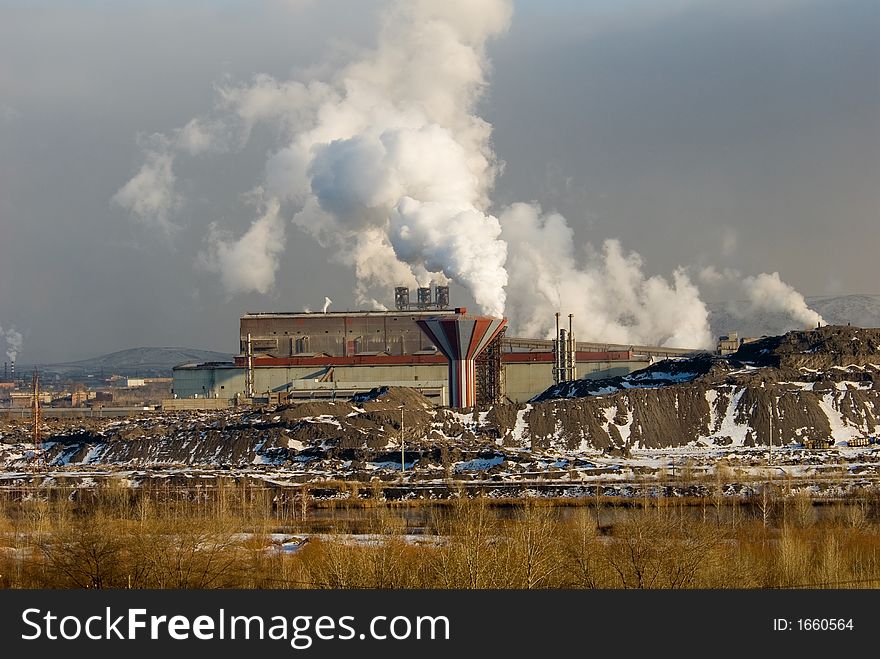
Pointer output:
x,y
734,134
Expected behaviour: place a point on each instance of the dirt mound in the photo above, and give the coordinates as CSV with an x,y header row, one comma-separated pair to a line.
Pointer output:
x,y
820,348
386,398
312,409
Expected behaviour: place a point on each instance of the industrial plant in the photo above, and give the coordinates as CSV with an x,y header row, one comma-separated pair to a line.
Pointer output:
x,y
450,356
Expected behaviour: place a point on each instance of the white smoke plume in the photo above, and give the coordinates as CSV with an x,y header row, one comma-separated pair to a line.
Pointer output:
x,y
767,292
327,303
760,294
396,169
387,163
611,298
249,263
150,196
14,342
200,136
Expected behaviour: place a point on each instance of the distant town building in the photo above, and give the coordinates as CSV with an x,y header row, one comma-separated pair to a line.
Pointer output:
x,y
25,399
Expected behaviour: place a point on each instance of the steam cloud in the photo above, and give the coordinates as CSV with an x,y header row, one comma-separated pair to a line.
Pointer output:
x,y
395,170
150,196
388,164
250,263
610,296
767,292
14,342
764,293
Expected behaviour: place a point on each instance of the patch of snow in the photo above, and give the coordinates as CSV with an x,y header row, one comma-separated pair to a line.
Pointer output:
x,y
729,427
603,391
624,430
390,464
520,429
478,464
840,431
661,375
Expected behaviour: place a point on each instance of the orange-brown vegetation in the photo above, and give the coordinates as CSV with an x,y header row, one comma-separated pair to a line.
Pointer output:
x,y
240,537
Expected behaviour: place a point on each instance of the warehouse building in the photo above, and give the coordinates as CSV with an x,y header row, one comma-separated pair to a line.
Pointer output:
x,y
336,354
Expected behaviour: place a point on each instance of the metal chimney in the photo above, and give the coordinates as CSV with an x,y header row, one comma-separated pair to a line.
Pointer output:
x,y
461,338
401,298
249,368
441,297
423,297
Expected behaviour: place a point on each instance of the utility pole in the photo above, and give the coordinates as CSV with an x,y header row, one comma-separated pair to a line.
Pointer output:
x,y
770,454
402,455
35,409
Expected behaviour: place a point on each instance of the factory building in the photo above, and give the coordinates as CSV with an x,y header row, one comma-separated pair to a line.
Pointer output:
x,y
287,356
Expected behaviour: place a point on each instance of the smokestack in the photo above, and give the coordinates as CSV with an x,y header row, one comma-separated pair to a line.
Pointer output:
x,y
249,369
441,297
423,297
558,354
401,298
12,371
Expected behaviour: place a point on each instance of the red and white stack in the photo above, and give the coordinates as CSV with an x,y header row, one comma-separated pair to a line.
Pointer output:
x,y
461,338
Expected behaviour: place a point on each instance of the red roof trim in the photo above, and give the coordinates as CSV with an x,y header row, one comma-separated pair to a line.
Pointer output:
x,y
407,360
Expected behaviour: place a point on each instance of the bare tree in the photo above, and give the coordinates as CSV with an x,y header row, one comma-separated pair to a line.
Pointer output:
x,y
533,549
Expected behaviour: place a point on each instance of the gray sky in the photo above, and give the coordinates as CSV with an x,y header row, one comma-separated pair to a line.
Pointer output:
x,y
733,134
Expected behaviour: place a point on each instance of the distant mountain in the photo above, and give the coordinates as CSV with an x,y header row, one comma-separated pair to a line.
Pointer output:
x,y
859,310
136,361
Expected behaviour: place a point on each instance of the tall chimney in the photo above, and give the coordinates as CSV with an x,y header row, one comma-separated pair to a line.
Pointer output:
x,y
249,368
557,354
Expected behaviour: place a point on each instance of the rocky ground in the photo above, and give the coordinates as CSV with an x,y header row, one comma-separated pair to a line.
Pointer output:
x,y
688,426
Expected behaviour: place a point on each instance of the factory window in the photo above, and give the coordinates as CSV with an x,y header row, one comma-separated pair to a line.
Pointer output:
x,y
222,387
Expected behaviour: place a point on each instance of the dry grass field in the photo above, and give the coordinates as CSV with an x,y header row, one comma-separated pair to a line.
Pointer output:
x,y
239,536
